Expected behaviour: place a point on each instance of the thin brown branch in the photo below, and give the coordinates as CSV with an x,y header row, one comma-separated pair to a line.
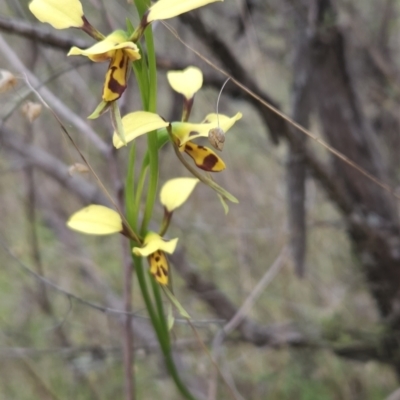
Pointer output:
x,y
41,34
57,105
52,166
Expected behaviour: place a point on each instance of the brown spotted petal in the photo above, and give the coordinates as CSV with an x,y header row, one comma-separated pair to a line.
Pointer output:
x,y
204,157
159,267
115,83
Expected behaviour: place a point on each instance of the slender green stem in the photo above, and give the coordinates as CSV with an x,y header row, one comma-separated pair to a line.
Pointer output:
x,y
148,76
151,137
160,309
140,69
146,295
130,188
139,190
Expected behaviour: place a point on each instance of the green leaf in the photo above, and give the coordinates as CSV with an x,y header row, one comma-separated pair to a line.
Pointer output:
x,y
129,27
171,318
176,303
224,204
117,122
100,109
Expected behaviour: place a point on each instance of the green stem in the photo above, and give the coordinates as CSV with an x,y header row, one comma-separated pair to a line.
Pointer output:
x,y
130,189
146,295
160,309
140,69
148,76
151,137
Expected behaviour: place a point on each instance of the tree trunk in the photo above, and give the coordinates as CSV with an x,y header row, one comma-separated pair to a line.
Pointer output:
x,y
373,224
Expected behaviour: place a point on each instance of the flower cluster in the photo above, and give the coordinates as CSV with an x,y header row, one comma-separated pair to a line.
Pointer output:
x,y
100,220
187,83
120,49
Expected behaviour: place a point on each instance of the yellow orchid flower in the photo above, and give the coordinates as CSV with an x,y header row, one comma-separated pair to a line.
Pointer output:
x,y
203,157
154,248
119,50
140,123
188,82
115,47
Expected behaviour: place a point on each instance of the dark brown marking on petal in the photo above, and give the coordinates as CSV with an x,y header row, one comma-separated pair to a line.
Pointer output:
x,y
159,273
209,162
193,133
122,62
157,258
164,270
114,85
202,147
188,147
159,252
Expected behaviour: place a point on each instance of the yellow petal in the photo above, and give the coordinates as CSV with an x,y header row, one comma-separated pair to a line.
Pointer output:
x,y
225,123
61,14
138,123
96,220
185,131
159,267
165,9
204,157
176,191
186,82
105,49
115,83
154,242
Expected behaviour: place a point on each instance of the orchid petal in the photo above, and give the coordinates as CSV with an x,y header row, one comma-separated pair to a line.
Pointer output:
x,y
115,82
96,220
105,49
159,267
186,82
165,9
60,14
176,191
154,242
185,131
204,157
138,123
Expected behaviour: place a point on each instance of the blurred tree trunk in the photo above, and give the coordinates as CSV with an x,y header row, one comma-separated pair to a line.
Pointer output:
x,y
296,166
373,224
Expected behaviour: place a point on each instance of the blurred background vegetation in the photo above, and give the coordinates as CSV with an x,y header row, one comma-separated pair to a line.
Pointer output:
x,y
326,325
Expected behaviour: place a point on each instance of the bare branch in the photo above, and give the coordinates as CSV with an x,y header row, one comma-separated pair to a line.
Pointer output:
x,y
58,106
39,33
